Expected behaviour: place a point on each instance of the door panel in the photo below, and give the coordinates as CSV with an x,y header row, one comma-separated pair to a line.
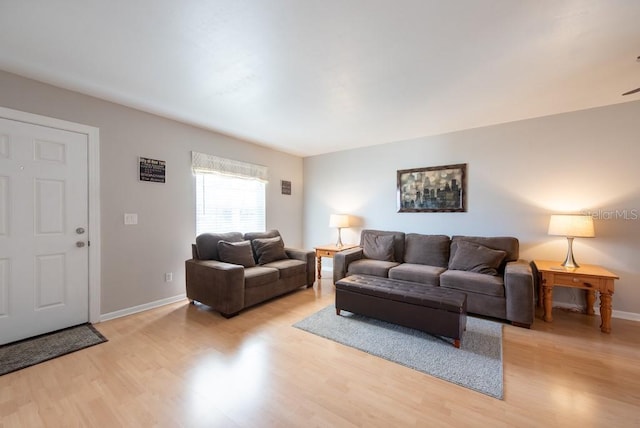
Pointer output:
x,y
50,280
4,205
49,207
4,287
43,190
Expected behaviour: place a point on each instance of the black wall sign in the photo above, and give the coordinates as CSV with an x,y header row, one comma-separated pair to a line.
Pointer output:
x,y
286,187
152,170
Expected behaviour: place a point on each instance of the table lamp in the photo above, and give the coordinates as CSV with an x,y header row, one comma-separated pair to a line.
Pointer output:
x,y
571,226
339,221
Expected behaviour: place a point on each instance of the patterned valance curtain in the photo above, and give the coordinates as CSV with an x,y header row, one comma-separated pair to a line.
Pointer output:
x,y
208,164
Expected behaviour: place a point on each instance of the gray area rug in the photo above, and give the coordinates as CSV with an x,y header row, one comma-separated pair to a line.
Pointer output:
x,y
25,353
476,365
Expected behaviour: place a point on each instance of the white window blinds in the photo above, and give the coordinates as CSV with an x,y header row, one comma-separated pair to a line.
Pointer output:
x,y
230,195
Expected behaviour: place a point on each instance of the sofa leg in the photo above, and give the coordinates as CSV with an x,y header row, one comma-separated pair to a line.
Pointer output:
x,y
520,324
227,316
337,311
456,343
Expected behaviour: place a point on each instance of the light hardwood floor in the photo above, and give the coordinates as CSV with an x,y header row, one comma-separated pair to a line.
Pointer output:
x,y
184,366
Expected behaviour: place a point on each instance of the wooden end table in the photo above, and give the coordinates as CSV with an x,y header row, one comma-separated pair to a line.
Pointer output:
x,y
591,278
329,251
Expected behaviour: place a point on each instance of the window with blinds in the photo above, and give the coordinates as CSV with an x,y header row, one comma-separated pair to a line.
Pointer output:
x,y
230,195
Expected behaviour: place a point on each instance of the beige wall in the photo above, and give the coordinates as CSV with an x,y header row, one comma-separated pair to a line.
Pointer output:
x,y
518,174
135,258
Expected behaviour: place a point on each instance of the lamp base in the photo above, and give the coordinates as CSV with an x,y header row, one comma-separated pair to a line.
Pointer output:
x,y
339,242
569,262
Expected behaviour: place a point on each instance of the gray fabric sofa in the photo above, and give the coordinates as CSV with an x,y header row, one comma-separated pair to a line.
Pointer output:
x,y
488,269
231,271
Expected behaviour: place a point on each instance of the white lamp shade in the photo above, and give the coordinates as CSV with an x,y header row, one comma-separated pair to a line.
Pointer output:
x,y
339,220
571,225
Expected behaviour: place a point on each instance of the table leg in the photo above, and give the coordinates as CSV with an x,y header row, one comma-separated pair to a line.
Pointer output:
x,y
547,293
319,266
540,281
591,299
605,312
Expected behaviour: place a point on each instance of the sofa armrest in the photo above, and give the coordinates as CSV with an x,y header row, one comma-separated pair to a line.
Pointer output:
x,y
341,262
216,284
306,256
519,292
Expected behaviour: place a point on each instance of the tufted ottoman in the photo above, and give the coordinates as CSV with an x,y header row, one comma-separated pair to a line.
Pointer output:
x,y
434,310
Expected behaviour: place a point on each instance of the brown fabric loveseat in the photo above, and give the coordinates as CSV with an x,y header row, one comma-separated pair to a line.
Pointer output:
x,y
487,269
231,271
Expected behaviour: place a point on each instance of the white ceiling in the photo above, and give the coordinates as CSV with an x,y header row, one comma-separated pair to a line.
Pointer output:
x,y
315,76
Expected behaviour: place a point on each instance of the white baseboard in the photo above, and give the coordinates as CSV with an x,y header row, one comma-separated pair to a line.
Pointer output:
x,y
140,308
631,316
327,272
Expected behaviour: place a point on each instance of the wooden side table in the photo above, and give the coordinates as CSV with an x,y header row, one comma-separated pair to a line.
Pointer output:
x,y
587,277
328,251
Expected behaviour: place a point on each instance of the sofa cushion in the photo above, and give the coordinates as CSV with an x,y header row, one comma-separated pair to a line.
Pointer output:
x,y
378,247
398,241
238,253
250,236
371,267
207,243
289,267
477,258
258,276
269,250
423,274
432,250
473,282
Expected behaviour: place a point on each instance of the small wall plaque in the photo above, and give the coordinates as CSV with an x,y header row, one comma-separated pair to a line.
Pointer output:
x,y
286,187
152,170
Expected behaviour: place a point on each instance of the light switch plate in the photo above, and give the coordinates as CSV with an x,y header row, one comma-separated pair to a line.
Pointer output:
x,y
130,218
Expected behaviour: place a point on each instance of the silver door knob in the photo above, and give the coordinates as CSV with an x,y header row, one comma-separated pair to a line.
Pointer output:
x,y
79,244
80,230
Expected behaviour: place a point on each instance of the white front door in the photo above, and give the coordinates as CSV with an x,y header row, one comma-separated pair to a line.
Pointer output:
x,y
44,282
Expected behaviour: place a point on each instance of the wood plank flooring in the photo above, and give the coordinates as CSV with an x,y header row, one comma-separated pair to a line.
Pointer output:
x,y
184,366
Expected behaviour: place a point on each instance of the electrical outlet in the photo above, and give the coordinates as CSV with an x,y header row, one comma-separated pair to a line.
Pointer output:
x,y
168,277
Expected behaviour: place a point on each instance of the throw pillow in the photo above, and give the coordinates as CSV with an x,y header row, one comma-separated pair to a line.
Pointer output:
x,y
238,253
378,247
477,258
269,249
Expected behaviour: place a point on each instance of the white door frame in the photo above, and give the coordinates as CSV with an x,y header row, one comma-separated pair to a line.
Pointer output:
x,y
93,164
